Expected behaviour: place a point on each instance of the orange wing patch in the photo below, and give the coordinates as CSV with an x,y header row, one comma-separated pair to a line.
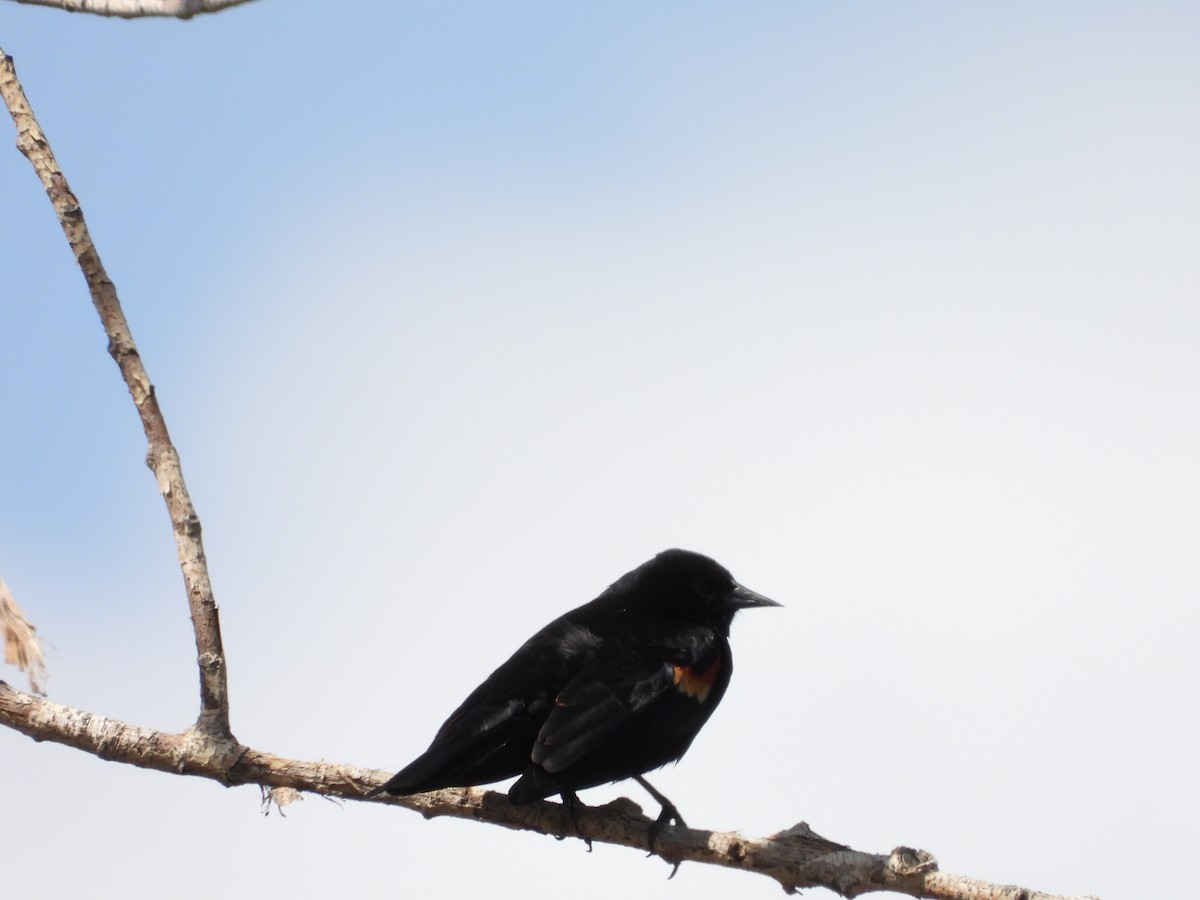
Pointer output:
x,y
697,684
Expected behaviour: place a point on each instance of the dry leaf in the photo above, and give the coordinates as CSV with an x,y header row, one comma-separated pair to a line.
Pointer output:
x,y
21,645
279,797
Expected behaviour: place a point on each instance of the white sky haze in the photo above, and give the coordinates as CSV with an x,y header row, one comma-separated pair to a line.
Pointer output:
x,y
457,312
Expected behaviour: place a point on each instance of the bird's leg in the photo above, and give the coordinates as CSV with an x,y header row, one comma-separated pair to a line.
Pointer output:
x,y
573,804
668,815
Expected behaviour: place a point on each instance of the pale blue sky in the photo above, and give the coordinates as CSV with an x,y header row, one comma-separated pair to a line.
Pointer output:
x,y
458,312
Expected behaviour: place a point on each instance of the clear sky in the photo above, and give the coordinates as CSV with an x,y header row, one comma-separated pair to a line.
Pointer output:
x,y
460,311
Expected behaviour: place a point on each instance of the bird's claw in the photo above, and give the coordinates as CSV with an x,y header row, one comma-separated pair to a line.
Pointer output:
x,y
573,804
669,816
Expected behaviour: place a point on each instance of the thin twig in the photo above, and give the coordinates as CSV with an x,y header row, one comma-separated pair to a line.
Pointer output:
x,y
161,455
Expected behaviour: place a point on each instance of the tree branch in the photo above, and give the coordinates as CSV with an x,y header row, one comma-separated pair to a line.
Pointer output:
x,y
161,455
796,857
139,9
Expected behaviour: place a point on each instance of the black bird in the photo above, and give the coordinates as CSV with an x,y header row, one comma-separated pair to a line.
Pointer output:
x,y
608,691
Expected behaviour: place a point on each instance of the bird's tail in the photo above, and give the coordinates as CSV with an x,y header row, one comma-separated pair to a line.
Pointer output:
x,y
534,784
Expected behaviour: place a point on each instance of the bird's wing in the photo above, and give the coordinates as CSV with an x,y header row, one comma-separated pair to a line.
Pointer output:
x,y
488,737
617,683
479,744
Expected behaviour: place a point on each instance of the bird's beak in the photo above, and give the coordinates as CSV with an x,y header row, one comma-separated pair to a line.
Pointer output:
x,y
744,598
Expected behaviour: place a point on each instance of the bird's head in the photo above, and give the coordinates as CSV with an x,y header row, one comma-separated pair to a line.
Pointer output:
x,y
692,587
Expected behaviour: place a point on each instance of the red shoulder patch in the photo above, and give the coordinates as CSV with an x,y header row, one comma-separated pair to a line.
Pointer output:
x,y
697,683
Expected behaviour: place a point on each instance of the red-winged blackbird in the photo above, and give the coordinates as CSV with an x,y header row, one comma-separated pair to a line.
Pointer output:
x,y
608,691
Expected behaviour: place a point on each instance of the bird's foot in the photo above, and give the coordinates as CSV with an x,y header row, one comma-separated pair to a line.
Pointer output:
x,y
669,815
573,804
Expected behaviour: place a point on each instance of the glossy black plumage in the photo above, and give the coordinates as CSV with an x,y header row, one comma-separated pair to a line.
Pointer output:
x,y
608,691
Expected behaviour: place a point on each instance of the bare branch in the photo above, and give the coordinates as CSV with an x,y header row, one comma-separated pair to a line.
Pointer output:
x,y
139,9
796,857
161,456
21,645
